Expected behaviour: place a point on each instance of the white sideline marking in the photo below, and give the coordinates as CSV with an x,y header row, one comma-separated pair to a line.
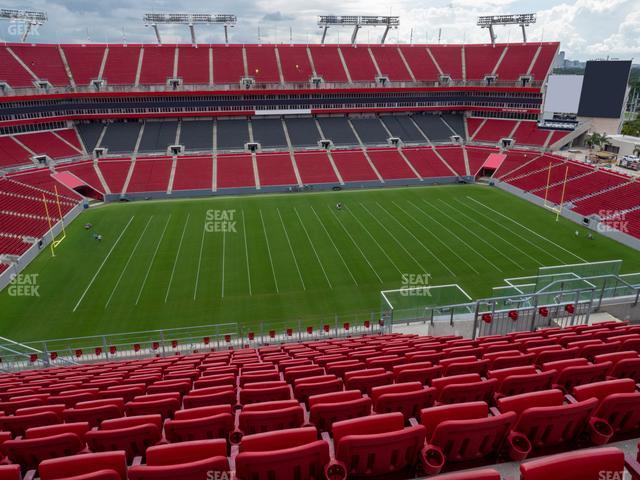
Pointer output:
x,y
459,212
246,252
175,263
273,270
314,249
376,242
102,264
195,290
356,245
128,261
432,234
295,260
334,245
452,233
153,259
529,230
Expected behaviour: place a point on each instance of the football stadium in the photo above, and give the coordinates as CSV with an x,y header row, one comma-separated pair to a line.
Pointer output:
x,y
306,261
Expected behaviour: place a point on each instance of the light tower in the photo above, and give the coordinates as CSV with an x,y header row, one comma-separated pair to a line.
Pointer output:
x,y
189,19
357,22
30,19
524,20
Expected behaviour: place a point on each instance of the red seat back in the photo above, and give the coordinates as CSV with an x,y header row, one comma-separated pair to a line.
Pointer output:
x,y
269,416
200,428
77,465
573,376
557,425
134,441
468,392
284,455
328,408
29,453
519,384
579,465
407,398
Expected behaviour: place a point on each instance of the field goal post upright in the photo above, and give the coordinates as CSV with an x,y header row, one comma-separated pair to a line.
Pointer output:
x,y
54,242
547,203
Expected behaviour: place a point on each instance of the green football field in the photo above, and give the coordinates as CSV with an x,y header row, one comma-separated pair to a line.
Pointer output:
x,y
275,259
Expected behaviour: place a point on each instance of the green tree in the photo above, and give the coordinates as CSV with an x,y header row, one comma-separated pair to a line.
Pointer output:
x,y
597,140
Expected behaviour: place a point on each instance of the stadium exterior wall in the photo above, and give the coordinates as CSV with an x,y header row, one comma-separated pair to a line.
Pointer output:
x,y
594,223
8,275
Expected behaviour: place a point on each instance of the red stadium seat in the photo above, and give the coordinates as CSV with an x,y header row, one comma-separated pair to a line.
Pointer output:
x,y
131,434
19,423
484,474
28,453
196,460
581,465
328,408
283,455
579,375
365,380
88,466
377,445
264,392
202,423
308,386
407,398
11,472
462,433
269,416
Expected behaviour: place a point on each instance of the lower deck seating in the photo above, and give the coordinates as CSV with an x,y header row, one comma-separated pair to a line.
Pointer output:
x,y
336,406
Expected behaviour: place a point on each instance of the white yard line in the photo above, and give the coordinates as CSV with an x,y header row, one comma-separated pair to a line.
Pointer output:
x,y
473,220
432,234
128,262
529,230
195,290
175,263
273,270
295,260
424,270
460,239
103,263
246,252
314,249
144,282
334,245
384,252
224,248
356,245
503,226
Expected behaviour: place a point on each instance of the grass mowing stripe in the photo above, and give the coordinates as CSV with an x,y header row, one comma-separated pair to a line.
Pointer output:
x,y
312,246
128,262
295,260
495,234
153,259
454,234
334,245
454,253
356,245
195,290
173,271
103,263
384,251
246,252
529,230
522,237
273,271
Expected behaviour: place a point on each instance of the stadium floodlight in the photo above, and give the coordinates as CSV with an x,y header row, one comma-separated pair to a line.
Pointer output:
x,y
189,19
357,22
523,19
29,18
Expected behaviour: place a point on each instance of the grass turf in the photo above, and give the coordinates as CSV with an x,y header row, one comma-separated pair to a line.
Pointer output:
x,y
287,257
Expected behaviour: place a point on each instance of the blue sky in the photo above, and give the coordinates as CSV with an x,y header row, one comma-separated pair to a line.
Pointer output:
x,y
587,29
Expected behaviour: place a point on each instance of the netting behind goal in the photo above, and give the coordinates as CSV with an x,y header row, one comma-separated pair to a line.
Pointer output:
x,y
414,302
